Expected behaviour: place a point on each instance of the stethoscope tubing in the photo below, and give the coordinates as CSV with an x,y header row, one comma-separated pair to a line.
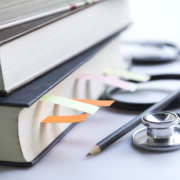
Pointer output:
x,y
154,60
132,106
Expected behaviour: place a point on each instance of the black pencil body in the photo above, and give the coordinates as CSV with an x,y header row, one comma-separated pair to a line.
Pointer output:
x,y
136,121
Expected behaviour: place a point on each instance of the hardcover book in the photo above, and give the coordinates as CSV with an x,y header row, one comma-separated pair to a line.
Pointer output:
x,y
24,139
30,49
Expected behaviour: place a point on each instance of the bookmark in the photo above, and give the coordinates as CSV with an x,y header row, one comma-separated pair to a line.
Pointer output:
x,y
110,81
65,119
96,102
128,74
84,107
76,118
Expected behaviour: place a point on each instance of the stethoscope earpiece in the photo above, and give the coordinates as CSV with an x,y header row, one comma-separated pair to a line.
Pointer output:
x,y
161,132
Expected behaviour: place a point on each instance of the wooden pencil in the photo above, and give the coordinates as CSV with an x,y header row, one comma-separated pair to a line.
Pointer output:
x,y
107,141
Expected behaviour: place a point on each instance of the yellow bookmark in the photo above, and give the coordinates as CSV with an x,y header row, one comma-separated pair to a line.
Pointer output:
x,y
127,74
84,107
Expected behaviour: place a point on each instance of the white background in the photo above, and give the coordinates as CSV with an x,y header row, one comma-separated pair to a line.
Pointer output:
x,y
153,19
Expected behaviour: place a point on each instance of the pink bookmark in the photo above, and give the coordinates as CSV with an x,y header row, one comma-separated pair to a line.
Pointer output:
x,y
110,81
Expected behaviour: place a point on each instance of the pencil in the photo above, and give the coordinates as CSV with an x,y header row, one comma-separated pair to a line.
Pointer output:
x,y
107,141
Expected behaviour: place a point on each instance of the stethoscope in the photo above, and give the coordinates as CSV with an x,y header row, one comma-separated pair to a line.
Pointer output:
x,y
133,106
161,132
165,52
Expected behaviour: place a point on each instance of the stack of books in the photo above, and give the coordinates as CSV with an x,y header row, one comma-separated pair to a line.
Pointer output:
x,y
44,47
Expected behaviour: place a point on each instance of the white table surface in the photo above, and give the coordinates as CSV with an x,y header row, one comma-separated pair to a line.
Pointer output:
x,y
67,161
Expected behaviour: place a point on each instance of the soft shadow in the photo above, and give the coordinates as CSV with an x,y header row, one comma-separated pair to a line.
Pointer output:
x,y
7,169
121,111
148,152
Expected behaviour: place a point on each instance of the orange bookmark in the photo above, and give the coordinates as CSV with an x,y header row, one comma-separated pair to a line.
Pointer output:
x,y
96,102
77,118
65,119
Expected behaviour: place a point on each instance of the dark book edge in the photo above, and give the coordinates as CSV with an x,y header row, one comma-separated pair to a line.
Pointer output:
x,y
42,154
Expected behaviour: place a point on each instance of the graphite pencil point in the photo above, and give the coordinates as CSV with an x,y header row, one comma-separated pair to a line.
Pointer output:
x,y
89,154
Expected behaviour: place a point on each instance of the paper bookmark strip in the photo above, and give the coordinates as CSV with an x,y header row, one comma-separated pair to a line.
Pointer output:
x,y
96,102
110,81
76,118
70,103
128,74
65,119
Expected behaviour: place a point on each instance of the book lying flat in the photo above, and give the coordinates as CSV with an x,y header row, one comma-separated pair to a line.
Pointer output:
x,y
31,49
25,10
24,139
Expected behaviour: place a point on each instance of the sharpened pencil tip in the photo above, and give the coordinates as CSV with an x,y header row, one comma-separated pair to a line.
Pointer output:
x,y
89,154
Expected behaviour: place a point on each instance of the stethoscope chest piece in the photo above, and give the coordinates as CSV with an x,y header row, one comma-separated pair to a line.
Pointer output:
x,y
161,132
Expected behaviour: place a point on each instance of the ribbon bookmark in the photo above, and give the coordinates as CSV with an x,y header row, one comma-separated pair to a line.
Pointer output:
x,y
128,74
70,103
65,119
110,81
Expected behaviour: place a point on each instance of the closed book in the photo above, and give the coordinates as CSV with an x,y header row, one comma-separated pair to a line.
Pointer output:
x,y
13,13
33,48
24,139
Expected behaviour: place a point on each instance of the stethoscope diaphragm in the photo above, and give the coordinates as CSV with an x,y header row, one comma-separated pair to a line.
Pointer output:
x,y
161,132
